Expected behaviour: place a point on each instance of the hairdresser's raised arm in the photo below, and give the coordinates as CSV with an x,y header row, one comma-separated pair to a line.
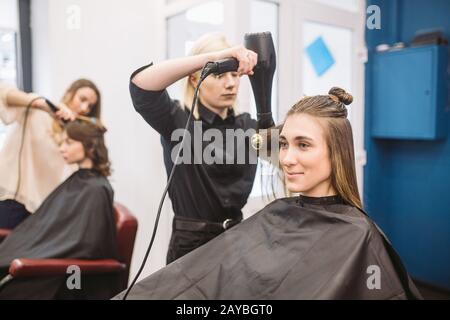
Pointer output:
x,y
160,76
19,98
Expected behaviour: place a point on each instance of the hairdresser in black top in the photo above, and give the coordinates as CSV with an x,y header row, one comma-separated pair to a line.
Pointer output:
x,y
207,198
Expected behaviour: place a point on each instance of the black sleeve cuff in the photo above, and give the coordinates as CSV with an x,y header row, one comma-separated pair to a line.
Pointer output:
x,y
142,97
139,70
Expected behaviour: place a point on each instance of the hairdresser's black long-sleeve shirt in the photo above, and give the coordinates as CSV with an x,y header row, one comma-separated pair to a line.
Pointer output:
x,y
212,192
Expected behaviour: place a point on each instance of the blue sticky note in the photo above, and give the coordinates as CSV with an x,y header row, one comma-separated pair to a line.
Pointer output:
x,y
320,56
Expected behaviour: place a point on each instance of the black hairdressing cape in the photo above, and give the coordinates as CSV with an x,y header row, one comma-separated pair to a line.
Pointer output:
x,y
295,248
76,221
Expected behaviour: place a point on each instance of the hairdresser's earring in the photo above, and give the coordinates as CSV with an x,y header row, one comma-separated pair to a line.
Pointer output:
x,y
257,141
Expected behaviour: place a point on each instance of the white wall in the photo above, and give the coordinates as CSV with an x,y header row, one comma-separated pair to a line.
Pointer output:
x,y
8,14
110,43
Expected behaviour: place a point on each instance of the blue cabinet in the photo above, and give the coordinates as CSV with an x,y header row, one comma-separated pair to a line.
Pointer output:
x,y
410,94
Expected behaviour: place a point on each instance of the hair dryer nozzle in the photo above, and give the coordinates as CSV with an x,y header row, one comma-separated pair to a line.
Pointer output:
x,y
262,80
262,44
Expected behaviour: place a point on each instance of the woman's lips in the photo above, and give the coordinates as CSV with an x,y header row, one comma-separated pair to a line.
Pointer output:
x,y
229,96
291,175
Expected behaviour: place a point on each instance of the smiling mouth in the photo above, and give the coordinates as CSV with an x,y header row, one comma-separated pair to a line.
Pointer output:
x,y
294,174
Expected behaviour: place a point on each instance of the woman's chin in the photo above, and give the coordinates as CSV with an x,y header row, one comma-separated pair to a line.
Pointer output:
x,y
294,187
70,161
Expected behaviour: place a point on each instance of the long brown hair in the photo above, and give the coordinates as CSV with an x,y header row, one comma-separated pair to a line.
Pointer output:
x,y
92,137
332,109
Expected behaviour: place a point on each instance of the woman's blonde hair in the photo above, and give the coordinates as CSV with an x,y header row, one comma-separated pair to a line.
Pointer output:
x,y
210,42
332,109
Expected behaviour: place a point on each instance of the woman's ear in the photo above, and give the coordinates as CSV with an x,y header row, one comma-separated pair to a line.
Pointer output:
x,y
193,80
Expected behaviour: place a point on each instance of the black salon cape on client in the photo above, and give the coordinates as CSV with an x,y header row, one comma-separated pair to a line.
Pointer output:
x,y
75,221
295,248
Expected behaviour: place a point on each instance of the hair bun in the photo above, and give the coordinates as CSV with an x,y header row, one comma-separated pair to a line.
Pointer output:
x,y
342,95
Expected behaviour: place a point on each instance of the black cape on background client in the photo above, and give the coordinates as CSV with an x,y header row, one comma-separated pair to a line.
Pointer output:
x,y
295,248
75,221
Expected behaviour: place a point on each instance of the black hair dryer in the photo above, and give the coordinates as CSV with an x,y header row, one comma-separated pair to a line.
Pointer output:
x,y
262,80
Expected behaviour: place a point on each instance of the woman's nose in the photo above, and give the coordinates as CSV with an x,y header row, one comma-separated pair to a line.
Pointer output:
x,y
85,107
230,80
287,157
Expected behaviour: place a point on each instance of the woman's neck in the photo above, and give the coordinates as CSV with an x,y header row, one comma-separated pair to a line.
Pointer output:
x,y
322,190
86,163
221,112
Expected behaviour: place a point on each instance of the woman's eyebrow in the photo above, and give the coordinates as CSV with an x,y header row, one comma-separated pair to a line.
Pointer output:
x,y
303,138
298,138
84,97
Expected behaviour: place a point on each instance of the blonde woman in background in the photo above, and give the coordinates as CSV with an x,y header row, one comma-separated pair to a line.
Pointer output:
x,y
207,198
30,163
